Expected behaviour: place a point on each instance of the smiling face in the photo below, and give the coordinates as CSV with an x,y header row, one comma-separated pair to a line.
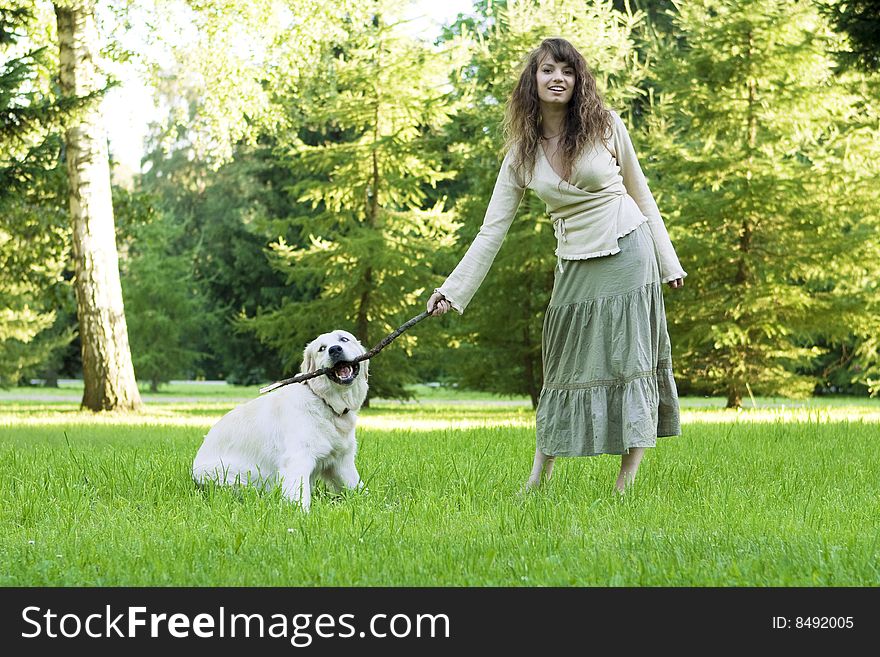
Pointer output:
x,y
555,81
335,349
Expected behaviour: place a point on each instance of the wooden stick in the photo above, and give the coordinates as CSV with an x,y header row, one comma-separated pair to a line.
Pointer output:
x,y
299,378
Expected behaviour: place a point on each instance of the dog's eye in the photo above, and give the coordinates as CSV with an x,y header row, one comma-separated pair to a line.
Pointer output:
x,y
342,338
322,348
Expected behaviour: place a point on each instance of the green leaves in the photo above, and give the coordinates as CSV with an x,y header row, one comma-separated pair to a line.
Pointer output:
x,y
749,129
33,222
364,164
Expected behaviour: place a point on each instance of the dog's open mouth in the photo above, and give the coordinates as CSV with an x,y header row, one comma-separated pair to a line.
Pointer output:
x,y
344,373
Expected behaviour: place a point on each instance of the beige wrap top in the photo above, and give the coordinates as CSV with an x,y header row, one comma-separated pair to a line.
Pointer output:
x,y
606,199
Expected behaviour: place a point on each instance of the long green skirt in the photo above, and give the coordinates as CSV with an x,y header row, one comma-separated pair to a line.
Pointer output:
x,y
608,383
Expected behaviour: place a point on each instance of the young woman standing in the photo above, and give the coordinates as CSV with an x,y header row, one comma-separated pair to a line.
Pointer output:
x,y
607,358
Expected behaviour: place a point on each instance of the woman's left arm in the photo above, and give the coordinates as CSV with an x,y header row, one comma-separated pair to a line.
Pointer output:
x,y
637,187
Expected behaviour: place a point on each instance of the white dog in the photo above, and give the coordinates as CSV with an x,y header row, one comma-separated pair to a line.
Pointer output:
x,y
293,435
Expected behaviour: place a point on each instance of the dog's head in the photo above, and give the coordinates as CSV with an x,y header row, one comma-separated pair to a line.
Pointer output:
x,y
347,381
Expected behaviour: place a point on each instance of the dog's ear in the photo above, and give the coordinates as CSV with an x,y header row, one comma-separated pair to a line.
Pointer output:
x,y
308,364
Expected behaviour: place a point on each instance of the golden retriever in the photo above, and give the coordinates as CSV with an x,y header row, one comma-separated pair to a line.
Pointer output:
x,y
297,433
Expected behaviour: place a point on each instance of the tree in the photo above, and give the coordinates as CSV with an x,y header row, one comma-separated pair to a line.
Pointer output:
x,y
227,95
108,373
658,13
222,222
32,258
860,20
33,241
498,340
769,163
212,160
364,157
163,306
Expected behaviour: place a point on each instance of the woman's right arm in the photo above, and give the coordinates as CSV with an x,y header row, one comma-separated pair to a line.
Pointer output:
x,y
461,285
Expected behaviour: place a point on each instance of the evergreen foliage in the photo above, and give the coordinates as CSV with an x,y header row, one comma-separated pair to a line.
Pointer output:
x,y
233,66
860,20
33,225
318,169
767,163
162,306
362,161
223,222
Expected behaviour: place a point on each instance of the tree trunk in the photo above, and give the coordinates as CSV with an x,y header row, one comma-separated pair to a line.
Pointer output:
x,y
734,398
362,326
108,372
50,379
742,276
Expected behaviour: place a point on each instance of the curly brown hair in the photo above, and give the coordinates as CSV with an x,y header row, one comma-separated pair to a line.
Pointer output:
x,y
587,119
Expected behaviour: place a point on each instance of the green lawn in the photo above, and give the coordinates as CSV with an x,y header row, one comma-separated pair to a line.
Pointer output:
x,y
772,496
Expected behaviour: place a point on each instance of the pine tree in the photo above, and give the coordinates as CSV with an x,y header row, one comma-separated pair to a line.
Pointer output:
x,y
860,20
33,233
164,310
767,164
222,222
364,160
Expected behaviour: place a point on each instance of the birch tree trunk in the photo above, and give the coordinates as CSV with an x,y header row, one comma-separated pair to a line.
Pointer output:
x,y
107,368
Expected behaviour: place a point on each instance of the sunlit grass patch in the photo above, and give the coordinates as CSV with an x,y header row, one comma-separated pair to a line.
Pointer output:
x,y
778,500
426,416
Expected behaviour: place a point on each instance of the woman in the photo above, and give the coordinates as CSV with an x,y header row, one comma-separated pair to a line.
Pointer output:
x,y
607,359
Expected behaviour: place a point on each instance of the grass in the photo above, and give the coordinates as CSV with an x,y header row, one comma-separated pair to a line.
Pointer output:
x,y
70,389
772,496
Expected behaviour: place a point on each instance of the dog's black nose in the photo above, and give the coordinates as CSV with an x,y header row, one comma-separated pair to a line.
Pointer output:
x,y
335,350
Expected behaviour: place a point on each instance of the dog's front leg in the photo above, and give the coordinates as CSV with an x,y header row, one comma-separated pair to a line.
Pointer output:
x,y
296,479
346,474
